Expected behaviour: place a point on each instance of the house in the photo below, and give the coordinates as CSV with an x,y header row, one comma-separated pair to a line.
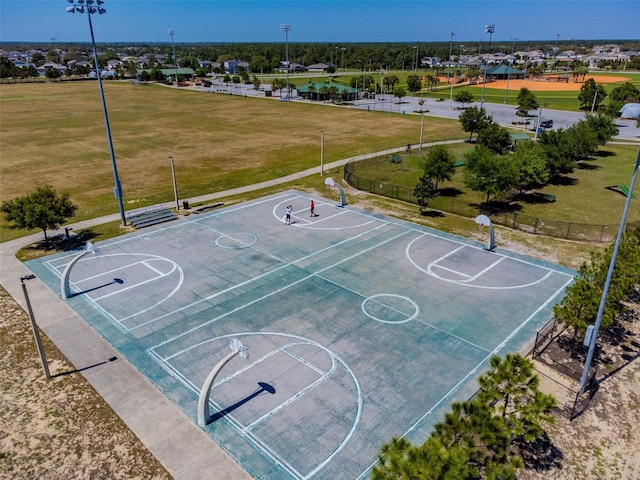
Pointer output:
x,y
80,63
429,62
293,67
236,66
208,64
50,66
113,64
318,67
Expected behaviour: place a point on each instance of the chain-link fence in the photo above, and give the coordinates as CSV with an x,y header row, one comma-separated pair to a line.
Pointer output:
x,y
519,221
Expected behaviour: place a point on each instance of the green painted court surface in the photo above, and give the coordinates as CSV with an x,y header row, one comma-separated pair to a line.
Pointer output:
x,y
359,326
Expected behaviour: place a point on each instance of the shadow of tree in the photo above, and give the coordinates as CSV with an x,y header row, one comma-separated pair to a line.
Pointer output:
x,y
604,153
563,180
541,455
449,192
496,206
62,243
432,214
588,166
534,198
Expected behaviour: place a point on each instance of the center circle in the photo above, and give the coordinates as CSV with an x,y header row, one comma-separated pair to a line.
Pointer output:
x,y
236,241
390,308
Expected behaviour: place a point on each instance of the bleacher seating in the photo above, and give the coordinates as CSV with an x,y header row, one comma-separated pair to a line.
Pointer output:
x,y
147,218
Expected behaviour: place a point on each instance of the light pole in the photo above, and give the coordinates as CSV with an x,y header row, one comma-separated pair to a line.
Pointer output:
x,y
416,63
34,326
175,186
513,45
175,60
487,29
568,57
286,27
322,153
421,125
56,50
343,49
605,290
81,6
555,52
449,69
538,124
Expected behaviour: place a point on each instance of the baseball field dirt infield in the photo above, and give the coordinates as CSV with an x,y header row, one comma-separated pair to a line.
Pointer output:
x,y
551,83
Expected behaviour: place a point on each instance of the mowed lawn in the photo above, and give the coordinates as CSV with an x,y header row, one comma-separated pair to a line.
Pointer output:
x,y
589,195
54,133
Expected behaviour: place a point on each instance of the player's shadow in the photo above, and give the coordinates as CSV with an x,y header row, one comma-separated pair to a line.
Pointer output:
x,y
119,281
263,387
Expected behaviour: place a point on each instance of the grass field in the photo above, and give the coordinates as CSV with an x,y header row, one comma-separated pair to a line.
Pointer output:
x,y
56,135
581,197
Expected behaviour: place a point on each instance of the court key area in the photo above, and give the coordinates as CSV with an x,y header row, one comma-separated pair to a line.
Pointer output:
x,y
358,327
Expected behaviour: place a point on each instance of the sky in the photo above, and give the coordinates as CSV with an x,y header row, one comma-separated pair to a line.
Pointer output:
x,y
329,21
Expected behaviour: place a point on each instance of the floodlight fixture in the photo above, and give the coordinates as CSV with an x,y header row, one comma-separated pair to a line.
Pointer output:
x,y
449,69
286,28
77,6
513,46
175,59
487,29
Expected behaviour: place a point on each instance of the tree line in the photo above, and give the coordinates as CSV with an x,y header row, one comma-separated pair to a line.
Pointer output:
x,y
494,168
267,57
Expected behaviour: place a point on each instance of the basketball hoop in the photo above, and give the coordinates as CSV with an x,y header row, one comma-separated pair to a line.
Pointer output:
x,y
484,221
89,247
237,346
329,182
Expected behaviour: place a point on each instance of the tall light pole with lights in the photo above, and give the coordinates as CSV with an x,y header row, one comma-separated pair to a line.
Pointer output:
x,y
286,28
593,338
175,60
513,46
91,7
487,29
449,69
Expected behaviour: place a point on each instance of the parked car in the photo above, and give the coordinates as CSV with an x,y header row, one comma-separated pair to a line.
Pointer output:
x,y
546,123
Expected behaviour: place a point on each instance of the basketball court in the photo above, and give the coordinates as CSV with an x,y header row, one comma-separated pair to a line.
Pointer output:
x,y
358,327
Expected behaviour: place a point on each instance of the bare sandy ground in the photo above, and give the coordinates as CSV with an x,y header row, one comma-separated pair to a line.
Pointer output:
x,y
58,429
